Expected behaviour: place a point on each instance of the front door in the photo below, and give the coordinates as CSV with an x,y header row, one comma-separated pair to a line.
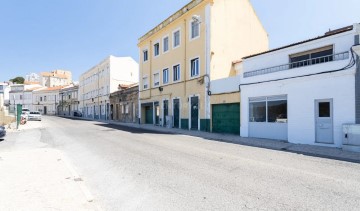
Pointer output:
x,y
148,115
157,113
45,110
194,111
176,113
166,111
324,121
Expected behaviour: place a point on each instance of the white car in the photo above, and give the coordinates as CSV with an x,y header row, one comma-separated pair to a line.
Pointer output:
x,y
25,110
34,115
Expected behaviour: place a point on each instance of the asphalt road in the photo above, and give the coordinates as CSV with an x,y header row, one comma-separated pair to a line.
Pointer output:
x,y
134,169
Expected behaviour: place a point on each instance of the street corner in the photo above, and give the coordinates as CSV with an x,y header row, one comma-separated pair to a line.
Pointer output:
x,y
41,179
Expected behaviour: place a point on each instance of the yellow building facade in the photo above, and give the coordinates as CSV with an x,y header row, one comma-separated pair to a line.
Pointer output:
x,y
182,55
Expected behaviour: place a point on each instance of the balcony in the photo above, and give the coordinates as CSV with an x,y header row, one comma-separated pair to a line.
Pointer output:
x,y
308,62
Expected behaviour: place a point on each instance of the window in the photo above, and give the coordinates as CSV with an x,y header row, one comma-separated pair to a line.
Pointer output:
x,y
268,109
195,29
156,79
257,112
45,98
195,67
176,72
156,49
165,76
122,109
315,56
126,108
165,44
145,83
40,99
324,109
145,55
176,38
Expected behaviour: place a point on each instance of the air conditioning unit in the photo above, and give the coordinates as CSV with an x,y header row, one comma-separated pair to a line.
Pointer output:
x,y
351,137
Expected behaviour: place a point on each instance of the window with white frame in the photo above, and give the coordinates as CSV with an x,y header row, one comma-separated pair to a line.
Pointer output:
x,y
145,83
145,55
156,79
195,29
166,76
165,44
156,49
176,72
126,108
176,38
268,109
194,67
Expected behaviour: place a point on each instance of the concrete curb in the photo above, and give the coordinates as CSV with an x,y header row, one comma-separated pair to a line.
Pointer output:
x,y
308,150
76,177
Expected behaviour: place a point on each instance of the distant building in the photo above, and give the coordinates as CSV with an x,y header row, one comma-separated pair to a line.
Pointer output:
x,y
4,91
69,101
124,104
46,100
21,94
56,78
97,83
32,78
16,96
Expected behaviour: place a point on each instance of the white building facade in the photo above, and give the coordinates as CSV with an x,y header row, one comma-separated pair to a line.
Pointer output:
x,y
4,92
302,93
97,83
46,100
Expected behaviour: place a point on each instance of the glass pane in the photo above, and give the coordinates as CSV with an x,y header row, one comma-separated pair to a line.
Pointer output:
x,y
277,111
324,109
257,112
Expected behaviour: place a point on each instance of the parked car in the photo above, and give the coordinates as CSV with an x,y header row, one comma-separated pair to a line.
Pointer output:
x,y
25,110
77,113
34,115
2,132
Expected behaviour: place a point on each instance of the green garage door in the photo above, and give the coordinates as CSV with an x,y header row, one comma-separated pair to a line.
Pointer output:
x,y
226,118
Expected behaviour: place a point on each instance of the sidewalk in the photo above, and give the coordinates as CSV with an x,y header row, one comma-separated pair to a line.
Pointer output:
x,y
34,176
309,150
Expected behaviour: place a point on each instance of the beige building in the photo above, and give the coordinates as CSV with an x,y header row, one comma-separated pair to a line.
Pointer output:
x,y
55,78
182,55
97,83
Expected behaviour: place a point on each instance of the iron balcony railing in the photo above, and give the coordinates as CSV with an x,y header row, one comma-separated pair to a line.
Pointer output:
x,y
308,62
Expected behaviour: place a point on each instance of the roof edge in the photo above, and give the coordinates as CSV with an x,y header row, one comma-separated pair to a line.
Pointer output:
x,y
327,34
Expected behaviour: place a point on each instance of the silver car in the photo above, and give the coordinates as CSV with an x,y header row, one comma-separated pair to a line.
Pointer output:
x,y
34,115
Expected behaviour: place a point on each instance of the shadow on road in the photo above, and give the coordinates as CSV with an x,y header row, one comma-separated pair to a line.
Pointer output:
x,y
113,127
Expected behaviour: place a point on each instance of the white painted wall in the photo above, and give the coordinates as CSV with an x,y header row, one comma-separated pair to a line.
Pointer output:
x,y
123,70
226,85
302,94
303,91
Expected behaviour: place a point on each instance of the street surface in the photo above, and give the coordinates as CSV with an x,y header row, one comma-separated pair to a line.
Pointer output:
x,y
134,169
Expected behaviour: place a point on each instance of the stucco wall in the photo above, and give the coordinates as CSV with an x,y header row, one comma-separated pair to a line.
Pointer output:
x,y
236,32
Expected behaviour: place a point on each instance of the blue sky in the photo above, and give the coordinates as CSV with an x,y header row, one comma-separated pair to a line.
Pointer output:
x,y
43,35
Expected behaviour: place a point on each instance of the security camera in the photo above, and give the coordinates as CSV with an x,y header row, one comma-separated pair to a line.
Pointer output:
x,y
196,18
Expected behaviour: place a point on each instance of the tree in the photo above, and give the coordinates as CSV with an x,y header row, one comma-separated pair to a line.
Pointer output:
x,y
18,80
